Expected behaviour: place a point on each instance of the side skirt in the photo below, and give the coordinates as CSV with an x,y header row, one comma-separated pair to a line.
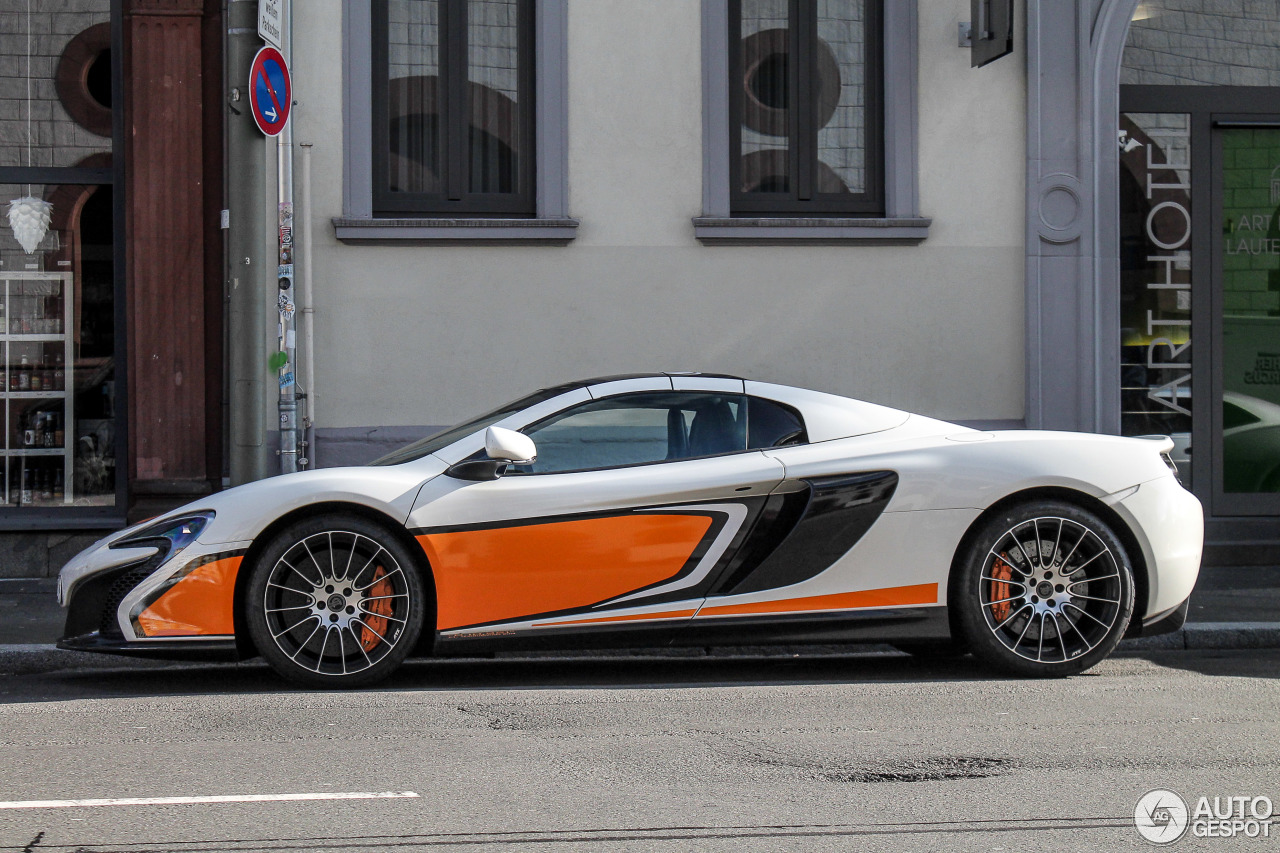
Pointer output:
x,y
867,626
871,626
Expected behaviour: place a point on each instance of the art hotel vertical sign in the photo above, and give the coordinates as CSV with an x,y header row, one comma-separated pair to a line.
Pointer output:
x,y
1155,289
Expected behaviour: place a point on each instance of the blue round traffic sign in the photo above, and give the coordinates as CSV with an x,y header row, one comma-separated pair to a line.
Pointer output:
x,y
270,91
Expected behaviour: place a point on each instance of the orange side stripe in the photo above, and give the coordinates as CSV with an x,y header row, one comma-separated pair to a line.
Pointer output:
x,y
506,573
666,614
201,604
894,596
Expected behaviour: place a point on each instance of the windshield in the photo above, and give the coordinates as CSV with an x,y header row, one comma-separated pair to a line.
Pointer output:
x,y
432,443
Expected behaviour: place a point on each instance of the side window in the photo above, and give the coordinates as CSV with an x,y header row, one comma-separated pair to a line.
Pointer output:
x,y
771,424
637,429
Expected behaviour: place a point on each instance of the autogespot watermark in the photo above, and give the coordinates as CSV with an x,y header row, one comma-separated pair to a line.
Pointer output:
x,y
1162,817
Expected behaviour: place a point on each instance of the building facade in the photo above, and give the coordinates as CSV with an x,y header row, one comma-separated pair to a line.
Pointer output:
x,y
497,195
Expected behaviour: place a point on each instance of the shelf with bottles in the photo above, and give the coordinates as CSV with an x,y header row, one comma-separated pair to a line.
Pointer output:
x,y
35,306
36,482
35,370
32,427
37,388
35,314
37,454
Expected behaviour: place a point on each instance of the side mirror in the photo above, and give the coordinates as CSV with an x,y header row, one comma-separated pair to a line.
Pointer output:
x,y
507,445
479,470
503,447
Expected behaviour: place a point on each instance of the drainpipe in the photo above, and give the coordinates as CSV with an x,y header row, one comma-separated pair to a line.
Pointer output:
x,y
306,308
247,268
288,327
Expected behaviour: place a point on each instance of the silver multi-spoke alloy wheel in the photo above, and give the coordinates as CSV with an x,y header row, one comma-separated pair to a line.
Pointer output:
x,y
1047,590
1050,590
335,601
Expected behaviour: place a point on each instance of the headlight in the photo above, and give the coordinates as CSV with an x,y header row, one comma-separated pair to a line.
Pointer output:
x,y
170,535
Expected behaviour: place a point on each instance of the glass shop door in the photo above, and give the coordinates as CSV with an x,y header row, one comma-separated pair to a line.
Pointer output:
x,y
1245,438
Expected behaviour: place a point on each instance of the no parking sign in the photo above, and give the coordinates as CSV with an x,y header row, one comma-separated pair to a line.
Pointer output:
x,y
270,91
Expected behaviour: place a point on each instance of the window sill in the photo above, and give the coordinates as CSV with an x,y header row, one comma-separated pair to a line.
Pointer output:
x,y
714,230
555,232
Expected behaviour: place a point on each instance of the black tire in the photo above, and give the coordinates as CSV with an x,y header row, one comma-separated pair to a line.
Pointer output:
x,y
1021,602
933,650
293,611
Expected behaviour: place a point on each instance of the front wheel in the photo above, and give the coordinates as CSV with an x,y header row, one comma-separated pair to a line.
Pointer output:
x,y
335,601
1046,590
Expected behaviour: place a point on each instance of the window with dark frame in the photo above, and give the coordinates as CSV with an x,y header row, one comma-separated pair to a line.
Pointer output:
x,y
453,107
806,107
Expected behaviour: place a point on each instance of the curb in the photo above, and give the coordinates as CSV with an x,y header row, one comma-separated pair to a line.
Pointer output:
x,y
1211,635
35,659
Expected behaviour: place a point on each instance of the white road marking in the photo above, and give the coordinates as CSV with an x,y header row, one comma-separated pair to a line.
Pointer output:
x,y
186,801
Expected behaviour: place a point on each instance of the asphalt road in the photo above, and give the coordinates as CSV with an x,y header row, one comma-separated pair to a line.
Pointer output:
x,y
721,754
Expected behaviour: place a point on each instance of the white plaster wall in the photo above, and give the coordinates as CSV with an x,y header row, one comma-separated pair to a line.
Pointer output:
x,y
429,334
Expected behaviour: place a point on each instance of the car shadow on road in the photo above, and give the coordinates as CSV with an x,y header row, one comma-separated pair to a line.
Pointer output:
x,y
594,673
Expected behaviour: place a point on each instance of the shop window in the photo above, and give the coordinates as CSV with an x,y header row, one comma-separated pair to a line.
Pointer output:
x,y
61,271
57,355
444,140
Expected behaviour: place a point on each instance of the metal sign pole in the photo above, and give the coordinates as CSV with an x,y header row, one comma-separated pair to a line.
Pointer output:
x,y
287,327
249,257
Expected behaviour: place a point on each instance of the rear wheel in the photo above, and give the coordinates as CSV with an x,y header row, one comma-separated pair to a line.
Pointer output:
x,y
335,601
1047,590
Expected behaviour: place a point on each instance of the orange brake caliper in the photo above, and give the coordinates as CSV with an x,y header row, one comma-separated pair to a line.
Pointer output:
x,y
376,625
1000,590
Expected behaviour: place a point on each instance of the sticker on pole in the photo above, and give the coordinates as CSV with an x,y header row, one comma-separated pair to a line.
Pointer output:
x,y
270,91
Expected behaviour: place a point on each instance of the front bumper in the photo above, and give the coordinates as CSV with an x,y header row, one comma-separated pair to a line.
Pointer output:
x,y
144,595
93,601
187,649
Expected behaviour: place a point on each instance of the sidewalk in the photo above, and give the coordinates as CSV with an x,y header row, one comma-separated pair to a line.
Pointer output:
x,y
1232,608
29,612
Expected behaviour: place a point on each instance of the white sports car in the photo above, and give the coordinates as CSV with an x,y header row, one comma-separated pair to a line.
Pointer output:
x,y
663,509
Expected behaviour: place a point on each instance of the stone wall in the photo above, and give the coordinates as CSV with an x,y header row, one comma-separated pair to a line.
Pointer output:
x,y
57,139
1204,43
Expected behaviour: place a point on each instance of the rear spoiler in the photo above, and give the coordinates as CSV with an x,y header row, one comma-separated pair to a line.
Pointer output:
x,y
1165,442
